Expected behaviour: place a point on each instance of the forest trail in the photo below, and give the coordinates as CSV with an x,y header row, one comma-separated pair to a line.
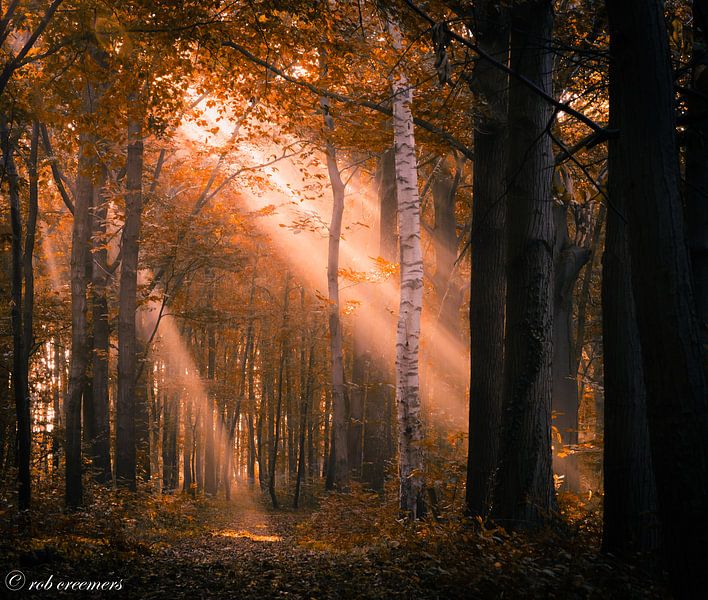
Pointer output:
x,y
179,548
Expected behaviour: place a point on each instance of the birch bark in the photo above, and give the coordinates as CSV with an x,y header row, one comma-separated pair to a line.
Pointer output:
x,y
410,431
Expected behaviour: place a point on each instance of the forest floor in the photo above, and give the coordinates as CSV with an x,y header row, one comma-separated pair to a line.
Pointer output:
x,y
347,547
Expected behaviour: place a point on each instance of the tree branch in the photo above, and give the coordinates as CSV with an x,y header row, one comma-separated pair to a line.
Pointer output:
x,y
318,91
16,62
560,106
56,172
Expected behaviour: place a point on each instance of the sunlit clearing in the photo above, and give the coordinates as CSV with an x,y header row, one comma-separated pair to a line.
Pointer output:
x,y
254,537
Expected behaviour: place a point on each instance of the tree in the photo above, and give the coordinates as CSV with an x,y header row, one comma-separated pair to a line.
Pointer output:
x,y
338,472
488,283
629,516
22,305
127,306
410,434
677,404
696,189
87,175
524,493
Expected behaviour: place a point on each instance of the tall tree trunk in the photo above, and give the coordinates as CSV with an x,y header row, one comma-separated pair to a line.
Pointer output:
x,y
170,451
279,403
20,362
697,171
677,398
127,342
199,450
210,473
524,492
630,513
326,437
56,400
24,431
339,476
100,414
246,367
361,358
252,452
488,250
261,445
188,447
304,411
80,346
410,431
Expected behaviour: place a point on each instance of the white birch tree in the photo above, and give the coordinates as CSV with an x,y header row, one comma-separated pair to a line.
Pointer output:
x,y
410,432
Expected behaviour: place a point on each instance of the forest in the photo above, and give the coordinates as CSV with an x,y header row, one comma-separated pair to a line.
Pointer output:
x,y
354,299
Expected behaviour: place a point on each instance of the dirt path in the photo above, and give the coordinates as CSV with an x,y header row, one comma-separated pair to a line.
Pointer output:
x,y
175,549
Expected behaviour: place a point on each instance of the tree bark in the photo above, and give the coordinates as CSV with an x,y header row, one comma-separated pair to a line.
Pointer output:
x,y
304,411
696,195
127,342
358,386
338,478
488,274
410,429
524,493
80,346
100,414
187,464
279,405
210,472
630,522
677,398
20,351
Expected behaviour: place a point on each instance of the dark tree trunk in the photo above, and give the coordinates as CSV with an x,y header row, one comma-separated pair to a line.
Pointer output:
x,y
80,343
188,448
199,450
488,248
630,521
143,466
170,454
357,391
304,411
338,473
210,472
20,337
56,401
272,464
24,430
100,426
677,399
697,171
261,446
326,436
524,493
127,342
251,466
